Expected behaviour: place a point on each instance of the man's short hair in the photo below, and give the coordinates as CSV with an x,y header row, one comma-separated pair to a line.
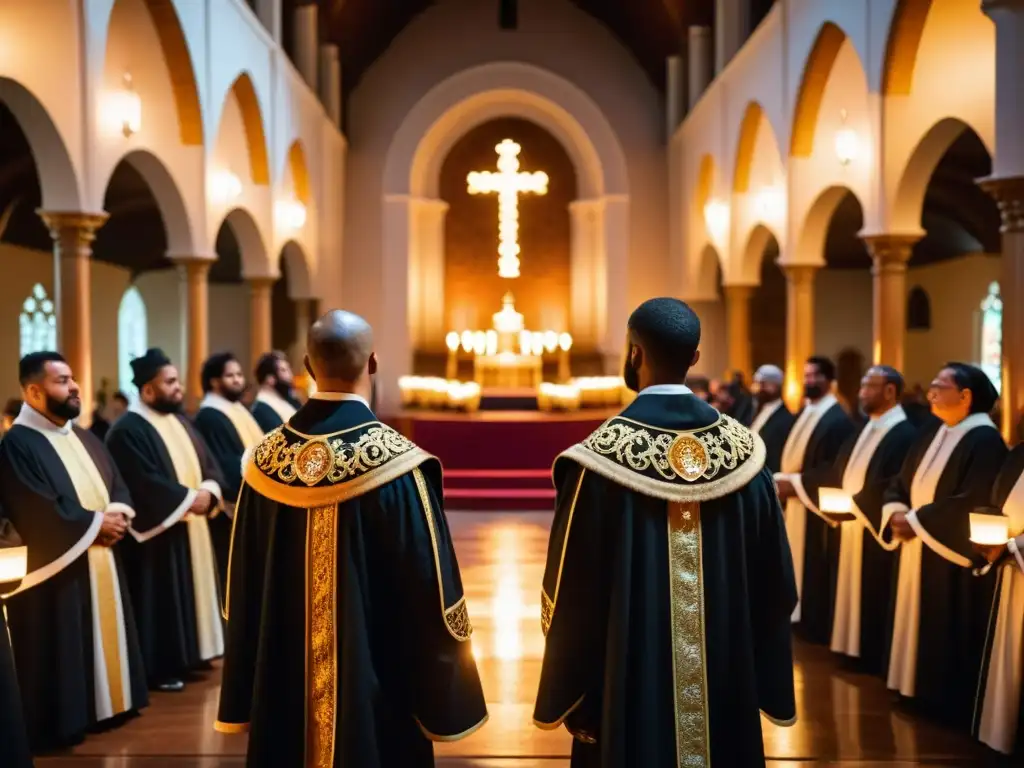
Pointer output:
x,y
825,366
121,397
669,332
266,366
32,366
214,367
891,376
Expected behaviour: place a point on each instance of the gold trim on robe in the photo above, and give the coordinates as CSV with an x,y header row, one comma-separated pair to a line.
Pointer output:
x,y
547,603
322,646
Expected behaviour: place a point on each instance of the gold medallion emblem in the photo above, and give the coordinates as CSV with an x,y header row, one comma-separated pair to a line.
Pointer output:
x,y
688,457
314,462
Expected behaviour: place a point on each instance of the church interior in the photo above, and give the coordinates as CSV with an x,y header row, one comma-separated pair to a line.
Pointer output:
x,y
494,185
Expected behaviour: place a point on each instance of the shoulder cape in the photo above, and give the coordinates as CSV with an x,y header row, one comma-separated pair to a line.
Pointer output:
x,y
301,470
675,465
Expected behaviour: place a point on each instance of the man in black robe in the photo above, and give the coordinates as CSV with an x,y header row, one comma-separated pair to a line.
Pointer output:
x,y
229,429
669,584
14,747
72,629
344,594
773,420
866,466
275,402
820,430
176,486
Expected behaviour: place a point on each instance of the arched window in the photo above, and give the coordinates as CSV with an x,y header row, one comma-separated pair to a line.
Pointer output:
x,y
992,335
919,310
132,337
37,323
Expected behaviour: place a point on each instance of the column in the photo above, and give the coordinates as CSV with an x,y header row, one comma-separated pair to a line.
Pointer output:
x,y
737,328
1007,187
427,218
305,44
72,235
584,301
890,255
269,12
698,63
302,323
260,316
799,327
732,19
195,300
673,95
330,82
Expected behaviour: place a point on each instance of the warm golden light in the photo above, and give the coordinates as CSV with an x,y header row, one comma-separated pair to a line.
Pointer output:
x,y
452,341
565,342
225,186
770,204
291,214
835,501
847,143
467,341
13,563
508,320
989,529
550,341
716,219
509,182
128,106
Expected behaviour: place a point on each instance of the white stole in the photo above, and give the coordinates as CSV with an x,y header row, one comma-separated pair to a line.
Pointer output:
x,y
246,426
846,617
277,404
188,472
902,674
792,464
1000,708
766,412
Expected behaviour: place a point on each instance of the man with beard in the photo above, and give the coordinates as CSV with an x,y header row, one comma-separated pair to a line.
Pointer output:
x,y
275,402
229,429
76,651
669,585
821,428
348,633
773,420
176,486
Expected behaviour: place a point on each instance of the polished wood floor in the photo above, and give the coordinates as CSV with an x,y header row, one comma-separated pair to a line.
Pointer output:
x,y
845,718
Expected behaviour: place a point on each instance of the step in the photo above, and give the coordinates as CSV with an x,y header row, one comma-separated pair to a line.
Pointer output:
x,y
498,478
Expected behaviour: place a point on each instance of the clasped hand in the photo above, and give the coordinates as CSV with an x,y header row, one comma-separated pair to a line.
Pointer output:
x,y
901,528
113,528
203,503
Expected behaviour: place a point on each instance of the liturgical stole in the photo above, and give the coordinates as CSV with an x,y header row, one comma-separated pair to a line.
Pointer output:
x,y
241,419
277,404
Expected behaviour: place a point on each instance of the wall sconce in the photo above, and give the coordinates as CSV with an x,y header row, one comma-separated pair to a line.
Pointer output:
x,y
225,186
847,143
770,204
291,214
129,107
716,219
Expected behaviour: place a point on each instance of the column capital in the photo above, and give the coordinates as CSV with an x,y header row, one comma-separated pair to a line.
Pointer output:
x,y
85,224
263,282
192,265
800,273
890,251
1008,193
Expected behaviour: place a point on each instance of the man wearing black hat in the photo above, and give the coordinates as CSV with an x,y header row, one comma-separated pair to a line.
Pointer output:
x,y
176,486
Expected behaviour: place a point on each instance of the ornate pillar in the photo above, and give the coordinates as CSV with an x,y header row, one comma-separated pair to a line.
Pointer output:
x,y
72,235
260,317
890,255
799,327
196,312
737,328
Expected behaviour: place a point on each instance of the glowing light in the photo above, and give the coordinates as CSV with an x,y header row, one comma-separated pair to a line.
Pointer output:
x,y
847,143
770,204
492,342
13,562
467,341
291,214
128,106
509,182
716,219
550,341
225,186
565,342
508,320
452,341
989,529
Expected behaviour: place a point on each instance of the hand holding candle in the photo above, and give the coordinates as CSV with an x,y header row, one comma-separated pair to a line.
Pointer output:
x,y
836,504
990,529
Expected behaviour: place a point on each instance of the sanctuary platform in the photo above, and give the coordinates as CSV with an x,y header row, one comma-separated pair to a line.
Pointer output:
x,y
498,460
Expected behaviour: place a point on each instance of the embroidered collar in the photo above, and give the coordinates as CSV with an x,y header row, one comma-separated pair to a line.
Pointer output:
x,y
890,418
33,419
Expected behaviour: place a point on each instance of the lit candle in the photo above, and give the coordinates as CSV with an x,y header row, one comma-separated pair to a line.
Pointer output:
x,y
13,564
836,503
989,529
452,341
564,345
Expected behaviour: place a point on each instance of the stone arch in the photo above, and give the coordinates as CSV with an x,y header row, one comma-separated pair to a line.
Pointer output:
x,y
299,170
709,272
816,74
905,31
178,60
703,191
745,144
908,202
252,120
504,89
753,253
58,180
295,264
177,223
811,239
255,260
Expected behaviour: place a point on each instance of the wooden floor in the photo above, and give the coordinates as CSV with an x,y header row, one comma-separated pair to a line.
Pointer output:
x,y
844,718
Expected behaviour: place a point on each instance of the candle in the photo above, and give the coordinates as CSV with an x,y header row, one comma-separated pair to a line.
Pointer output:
x,y
989,529
13,563
836,503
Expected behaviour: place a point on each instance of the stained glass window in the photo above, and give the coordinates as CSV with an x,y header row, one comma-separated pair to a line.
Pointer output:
x,y
132,337
37,323
992,335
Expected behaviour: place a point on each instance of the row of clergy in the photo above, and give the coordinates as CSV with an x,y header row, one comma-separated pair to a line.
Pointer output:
x,y
126,599
895,581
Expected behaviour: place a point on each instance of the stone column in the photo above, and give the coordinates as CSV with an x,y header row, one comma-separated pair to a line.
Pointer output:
x,y
260,317
302,322
737,328
699,63
890,255
330,82
732,21
269,12
799,327
674,96
305,43
585,260
73,234
427,217
196,311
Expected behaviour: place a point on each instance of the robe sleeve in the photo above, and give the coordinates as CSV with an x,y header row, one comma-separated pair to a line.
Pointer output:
x,y
772,600
213,478
443,685
882,473
823,473
160,501
896,497
50,521
574,609
224,451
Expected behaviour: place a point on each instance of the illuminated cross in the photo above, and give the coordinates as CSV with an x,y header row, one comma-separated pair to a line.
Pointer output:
x,y
509,182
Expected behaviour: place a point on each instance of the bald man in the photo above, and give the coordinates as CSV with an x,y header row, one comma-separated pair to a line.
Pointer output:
x,y
348,635
773,420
